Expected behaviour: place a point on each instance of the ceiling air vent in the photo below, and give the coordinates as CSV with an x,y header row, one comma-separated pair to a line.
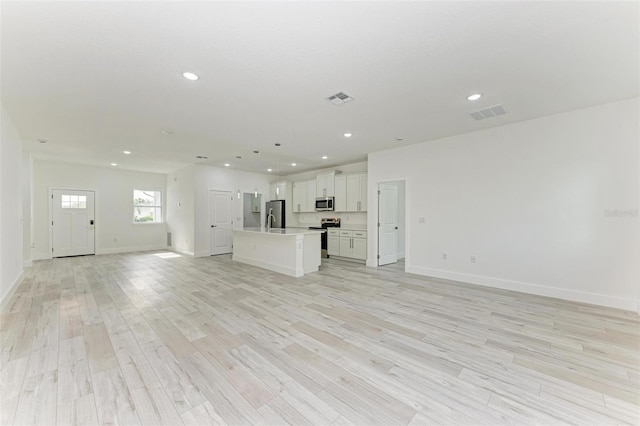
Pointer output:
x,y
339,98
488,112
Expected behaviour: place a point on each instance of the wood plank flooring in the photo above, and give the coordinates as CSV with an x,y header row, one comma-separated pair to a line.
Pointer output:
x,y
157,338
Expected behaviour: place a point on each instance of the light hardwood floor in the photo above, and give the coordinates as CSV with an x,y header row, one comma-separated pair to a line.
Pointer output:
x,y
158,338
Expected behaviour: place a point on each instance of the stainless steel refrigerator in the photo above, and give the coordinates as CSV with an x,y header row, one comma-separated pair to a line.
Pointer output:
x,y
275,213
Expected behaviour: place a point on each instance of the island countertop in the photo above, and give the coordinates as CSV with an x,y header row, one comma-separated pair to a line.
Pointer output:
x,y
280,231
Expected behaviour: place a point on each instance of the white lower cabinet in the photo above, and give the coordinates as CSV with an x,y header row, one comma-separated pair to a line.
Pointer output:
x,y
359,246
346,243
333,244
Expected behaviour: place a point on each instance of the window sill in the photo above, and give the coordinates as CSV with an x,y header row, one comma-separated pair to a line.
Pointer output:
x,y
147,223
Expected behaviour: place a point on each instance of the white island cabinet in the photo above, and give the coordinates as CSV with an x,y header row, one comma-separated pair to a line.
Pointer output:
x,y
290,251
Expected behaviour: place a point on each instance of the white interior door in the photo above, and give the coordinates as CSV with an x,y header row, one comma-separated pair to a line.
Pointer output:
x,y
220,220
72,223
388,219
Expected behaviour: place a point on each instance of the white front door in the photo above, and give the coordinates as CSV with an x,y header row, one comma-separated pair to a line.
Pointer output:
x,y
72,223
388,219
220,222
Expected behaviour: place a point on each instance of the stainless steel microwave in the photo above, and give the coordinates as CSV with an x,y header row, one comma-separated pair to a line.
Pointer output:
x,y
324,204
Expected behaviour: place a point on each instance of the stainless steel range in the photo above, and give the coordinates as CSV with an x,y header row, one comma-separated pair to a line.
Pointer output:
x,y
326,222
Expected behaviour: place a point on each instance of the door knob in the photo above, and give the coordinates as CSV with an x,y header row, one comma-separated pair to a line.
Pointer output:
x,y
396,227
213,226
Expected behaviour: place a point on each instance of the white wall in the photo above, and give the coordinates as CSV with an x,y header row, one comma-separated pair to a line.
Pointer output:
x,y
180,208
208,178
530,201
11,227
355,219
115,230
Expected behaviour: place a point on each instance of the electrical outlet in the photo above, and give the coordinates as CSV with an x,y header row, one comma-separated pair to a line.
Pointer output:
x,y
115,239
473,259
421,220
444,256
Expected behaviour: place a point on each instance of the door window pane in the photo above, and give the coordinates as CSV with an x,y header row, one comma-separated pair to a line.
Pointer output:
x,y
73,201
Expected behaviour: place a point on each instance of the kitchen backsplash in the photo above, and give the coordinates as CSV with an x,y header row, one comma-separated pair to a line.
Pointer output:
x,y
358,219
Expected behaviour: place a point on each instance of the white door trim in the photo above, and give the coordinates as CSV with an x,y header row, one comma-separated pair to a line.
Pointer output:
x,y
50,205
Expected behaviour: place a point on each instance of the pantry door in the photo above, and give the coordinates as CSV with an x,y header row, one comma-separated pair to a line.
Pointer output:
x,y
387,223
220,220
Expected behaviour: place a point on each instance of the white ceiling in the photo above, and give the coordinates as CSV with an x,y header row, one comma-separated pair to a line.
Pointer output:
x,y
96,78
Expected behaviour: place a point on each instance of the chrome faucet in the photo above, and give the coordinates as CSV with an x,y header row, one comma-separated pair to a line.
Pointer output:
x,y
270,217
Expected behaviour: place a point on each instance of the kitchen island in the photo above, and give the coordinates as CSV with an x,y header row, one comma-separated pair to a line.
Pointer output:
x,y
290,251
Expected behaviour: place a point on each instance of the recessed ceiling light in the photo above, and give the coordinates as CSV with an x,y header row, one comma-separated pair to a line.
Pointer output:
x,y
114,164
43,140
238,156
256,151
474,97
202,157
277,144
324,157
227,164
190,76
167,132
293,164
347,135
269,170
399,139
126,152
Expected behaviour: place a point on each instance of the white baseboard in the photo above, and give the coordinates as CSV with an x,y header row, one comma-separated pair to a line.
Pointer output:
x,y
42,256
177,250
12,290
537,289
130,249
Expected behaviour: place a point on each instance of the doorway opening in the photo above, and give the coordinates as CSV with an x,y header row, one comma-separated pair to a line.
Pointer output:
x,y
391,222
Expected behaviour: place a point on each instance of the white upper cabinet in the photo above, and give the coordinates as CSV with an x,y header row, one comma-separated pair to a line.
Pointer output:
x,y
325,185
277,190
357,192
299,196
304,196
311,195
340,203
